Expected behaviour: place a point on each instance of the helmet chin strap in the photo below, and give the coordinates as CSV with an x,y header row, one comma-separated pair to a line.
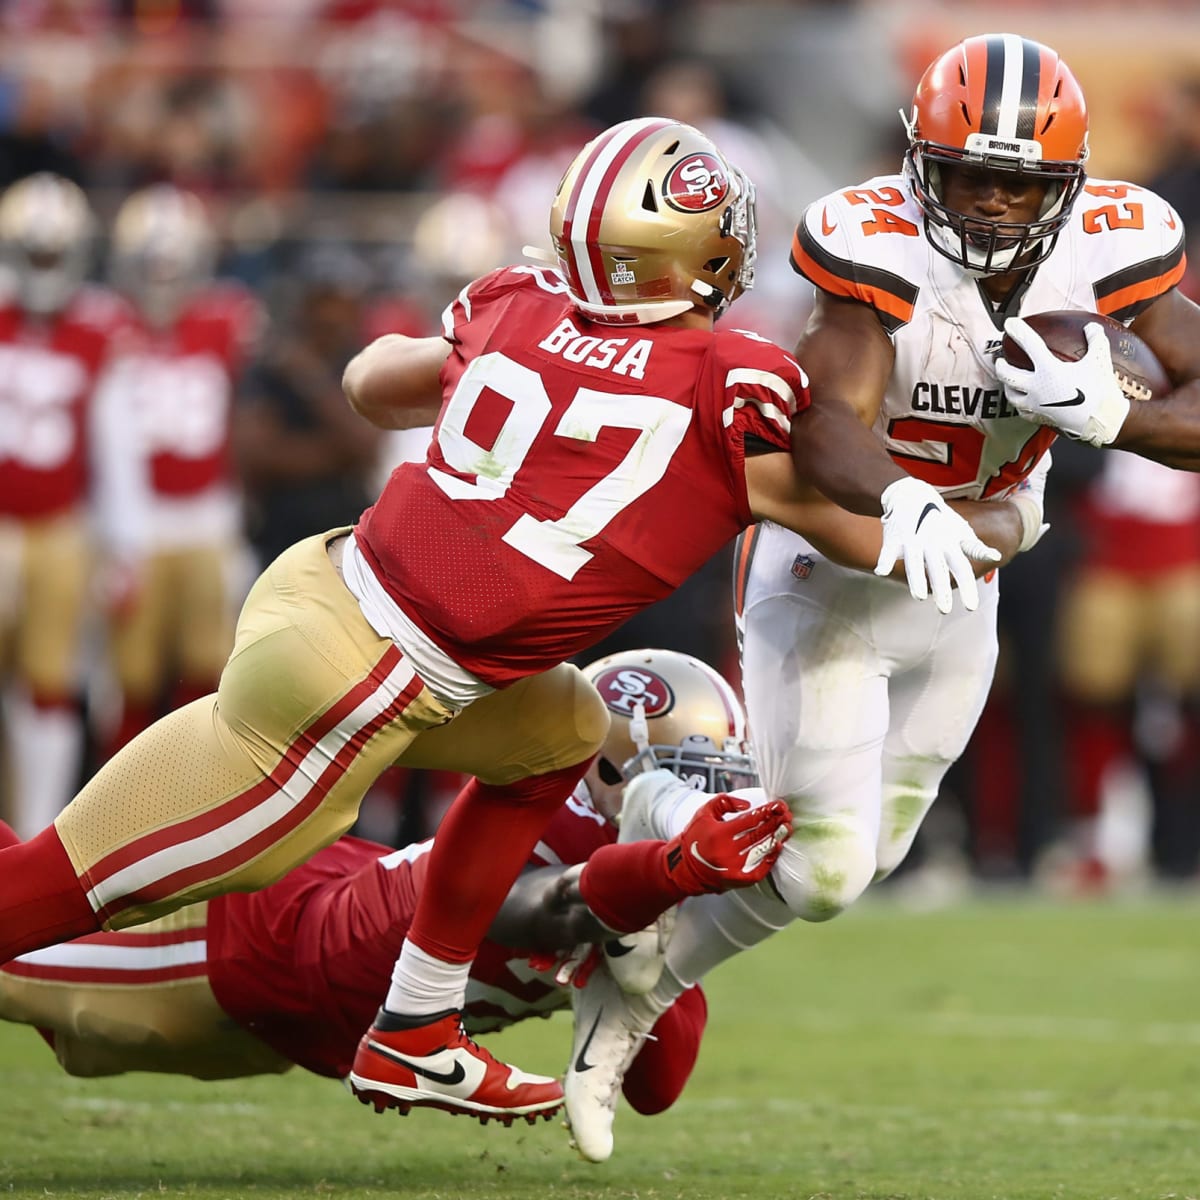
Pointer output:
x,y
639,731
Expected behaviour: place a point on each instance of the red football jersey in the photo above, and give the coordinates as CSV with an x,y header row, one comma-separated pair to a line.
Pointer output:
x,y
305,964
578,473
175,387
48,369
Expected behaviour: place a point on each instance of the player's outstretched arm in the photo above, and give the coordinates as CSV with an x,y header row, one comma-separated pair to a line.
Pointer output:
x,y
856,541
395,381
848,359
626,886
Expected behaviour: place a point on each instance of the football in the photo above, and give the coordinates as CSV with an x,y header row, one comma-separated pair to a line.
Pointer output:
x,y
1136,366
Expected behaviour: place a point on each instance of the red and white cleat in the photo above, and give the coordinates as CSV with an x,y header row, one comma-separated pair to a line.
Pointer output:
x,y
437,1066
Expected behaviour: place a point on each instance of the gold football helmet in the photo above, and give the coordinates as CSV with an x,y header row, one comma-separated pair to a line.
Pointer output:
x,y
162,248
650,221
1002,103
668,710
46,229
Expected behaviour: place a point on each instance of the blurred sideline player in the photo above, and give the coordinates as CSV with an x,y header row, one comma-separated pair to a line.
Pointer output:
x,y
171,523
589,456
250,984
55,335
858,703
1135,590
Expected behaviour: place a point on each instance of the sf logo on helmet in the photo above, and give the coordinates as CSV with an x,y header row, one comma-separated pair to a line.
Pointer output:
x,y
696,184
622,688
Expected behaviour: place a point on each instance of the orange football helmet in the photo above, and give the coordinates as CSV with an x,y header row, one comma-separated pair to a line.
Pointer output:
x,y
1004,103
668,710
163,246
650,221
46,228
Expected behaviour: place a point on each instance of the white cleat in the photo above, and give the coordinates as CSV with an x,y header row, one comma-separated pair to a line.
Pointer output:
x,y
609,1030
636,959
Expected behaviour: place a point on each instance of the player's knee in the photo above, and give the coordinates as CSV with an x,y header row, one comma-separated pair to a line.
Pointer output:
x,y
591,715
824,868
903,812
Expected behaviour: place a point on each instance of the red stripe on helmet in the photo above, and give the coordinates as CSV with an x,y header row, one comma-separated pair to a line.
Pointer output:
x,y
596,214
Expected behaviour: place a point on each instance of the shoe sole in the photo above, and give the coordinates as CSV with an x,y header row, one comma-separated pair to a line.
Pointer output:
x,y
404,1100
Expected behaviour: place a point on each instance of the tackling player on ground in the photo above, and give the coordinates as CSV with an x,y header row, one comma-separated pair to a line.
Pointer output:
x,y
253,983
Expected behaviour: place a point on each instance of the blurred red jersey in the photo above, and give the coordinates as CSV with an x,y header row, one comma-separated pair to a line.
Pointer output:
x,y
172,389
304,964
577,474
48,369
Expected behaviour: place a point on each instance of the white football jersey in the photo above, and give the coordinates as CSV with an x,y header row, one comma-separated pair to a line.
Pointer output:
x,y
945,417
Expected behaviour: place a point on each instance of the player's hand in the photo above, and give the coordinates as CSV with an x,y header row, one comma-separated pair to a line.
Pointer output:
x,y
1081,399
728,844
934,541
568,967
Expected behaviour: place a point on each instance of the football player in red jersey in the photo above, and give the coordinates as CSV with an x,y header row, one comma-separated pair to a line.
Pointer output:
x,y
253,983
171,521
589,455
55,334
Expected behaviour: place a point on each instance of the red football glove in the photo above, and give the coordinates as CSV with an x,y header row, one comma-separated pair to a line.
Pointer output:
x,y
567,966
718,851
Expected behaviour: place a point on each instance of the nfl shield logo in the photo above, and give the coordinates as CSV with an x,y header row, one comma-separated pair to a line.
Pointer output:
x,y
802,567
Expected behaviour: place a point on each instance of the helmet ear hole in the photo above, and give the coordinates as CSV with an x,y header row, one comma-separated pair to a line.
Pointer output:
x,y
609,772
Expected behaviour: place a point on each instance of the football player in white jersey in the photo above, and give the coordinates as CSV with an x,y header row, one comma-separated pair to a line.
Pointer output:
x,y
860,699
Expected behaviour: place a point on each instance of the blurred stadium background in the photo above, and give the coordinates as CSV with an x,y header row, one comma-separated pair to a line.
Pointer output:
x,y
359,160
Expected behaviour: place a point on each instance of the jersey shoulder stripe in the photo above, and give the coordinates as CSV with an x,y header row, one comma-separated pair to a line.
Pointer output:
x,y
890,295
1125,293
1131,242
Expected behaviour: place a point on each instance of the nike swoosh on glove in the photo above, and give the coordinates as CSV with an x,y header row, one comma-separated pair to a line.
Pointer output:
x,y
1081,398
934,541
727,844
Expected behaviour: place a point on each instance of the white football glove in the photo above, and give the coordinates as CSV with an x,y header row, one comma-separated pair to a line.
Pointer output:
x,y
934,541
1081,399
1030,498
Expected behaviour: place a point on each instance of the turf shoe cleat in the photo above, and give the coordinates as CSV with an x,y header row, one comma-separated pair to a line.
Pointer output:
x,y
435,1065
610,1028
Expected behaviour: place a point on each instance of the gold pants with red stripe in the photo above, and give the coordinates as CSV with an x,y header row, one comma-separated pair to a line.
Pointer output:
x,y
45,567
180,621
231,792
134,1001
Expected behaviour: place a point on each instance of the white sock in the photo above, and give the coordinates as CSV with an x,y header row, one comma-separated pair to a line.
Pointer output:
x,y
423,985
711,929
45,746
672,813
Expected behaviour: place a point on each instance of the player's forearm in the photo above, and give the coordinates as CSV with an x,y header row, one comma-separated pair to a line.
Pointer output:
x,y
544,910
1167,431
840,456
395,382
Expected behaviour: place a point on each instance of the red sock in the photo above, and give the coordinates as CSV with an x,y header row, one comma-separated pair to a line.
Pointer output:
x,y
8,835
1098,736
41,900
627,886
482,843
662,1066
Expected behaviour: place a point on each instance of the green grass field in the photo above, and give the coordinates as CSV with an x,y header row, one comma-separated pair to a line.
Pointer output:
x,y
1008,1049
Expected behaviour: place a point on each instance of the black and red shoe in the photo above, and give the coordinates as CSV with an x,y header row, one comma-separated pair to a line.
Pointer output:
x,y
435,1065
